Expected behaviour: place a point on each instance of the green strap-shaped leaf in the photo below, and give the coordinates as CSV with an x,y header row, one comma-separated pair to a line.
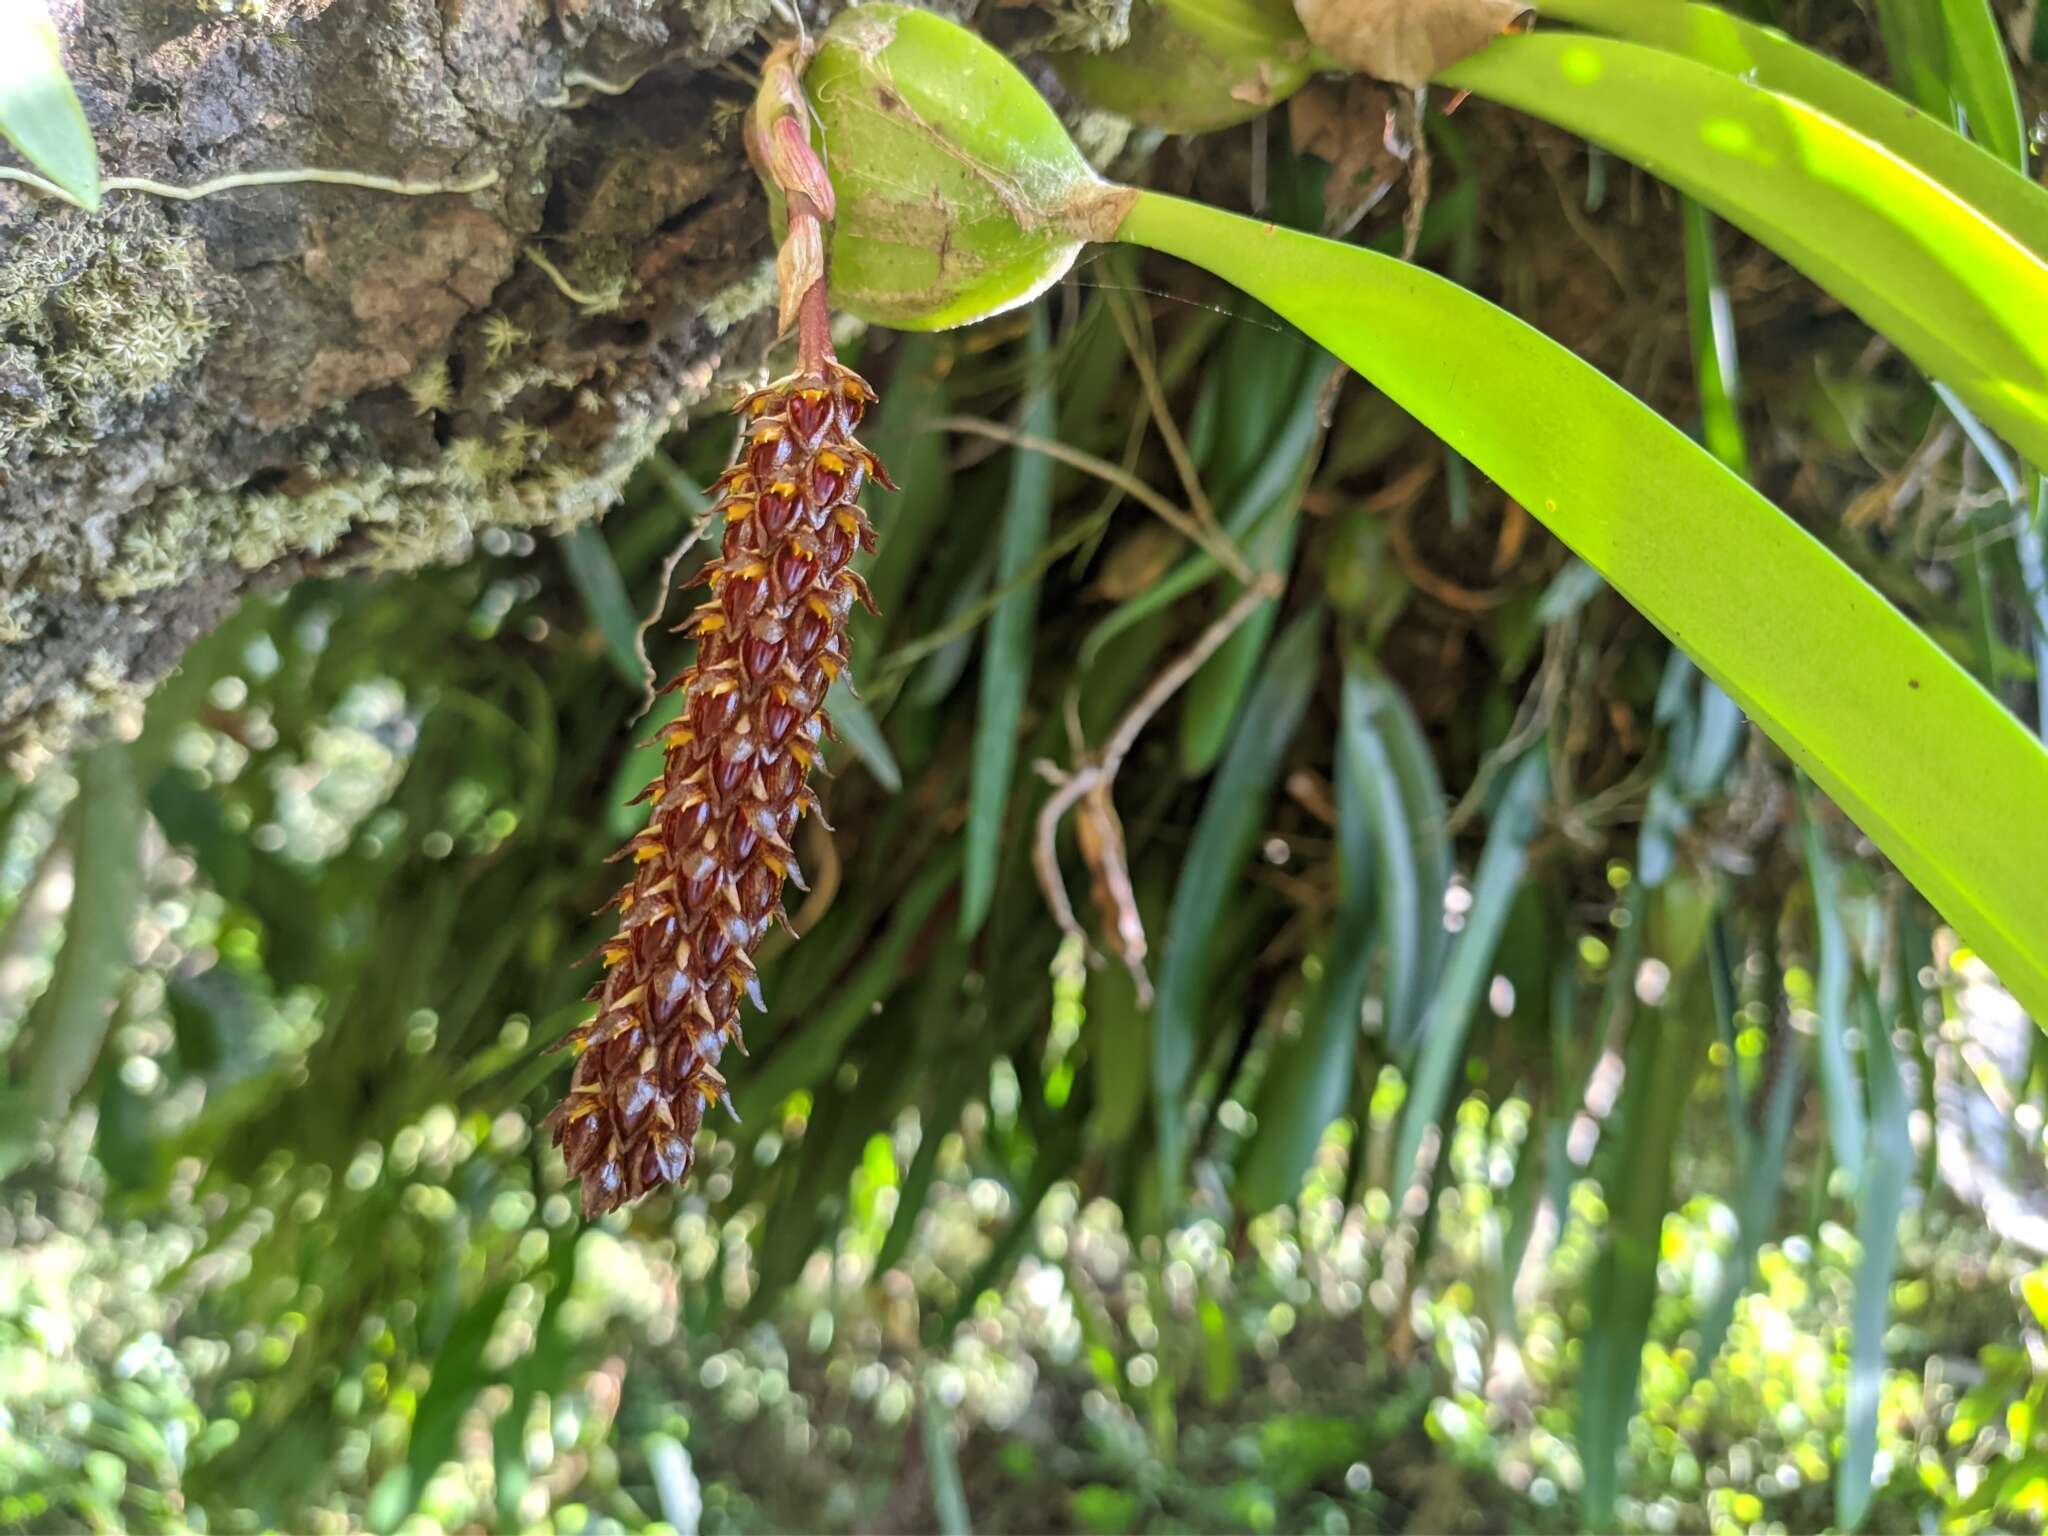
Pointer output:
x,y
1948,57
1766,58
39,111
1881,717
1959,293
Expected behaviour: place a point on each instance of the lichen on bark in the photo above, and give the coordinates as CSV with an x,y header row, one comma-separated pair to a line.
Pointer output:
x,y
203,399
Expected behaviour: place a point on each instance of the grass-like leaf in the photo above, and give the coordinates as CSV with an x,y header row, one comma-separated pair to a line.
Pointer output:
x,y
1211,875
68,1023
1841,1093
1880,1198
1006,655
1310,1079
1470,967
1881,717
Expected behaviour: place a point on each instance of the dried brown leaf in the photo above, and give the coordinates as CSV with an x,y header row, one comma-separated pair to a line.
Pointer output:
x,y
1405,41
1351,123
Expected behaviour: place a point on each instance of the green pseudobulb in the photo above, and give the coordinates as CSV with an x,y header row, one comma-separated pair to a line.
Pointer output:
x,y
960,194
1194,66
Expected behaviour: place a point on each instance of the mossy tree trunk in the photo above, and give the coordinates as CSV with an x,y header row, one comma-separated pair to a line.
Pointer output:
x,y
201,399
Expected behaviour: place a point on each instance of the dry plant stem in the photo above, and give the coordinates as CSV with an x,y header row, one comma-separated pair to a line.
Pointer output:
x,y
1217,546
1097,775
1169,431
650,685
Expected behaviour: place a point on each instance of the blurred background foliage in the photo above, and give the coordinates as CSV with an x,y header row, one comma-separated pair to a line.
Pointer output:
x,y
1533,1107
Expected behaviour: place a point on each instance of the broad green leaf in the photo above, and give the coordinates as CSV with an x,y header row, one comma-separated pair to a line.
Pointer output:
x,y
39,110
1880,1200
1870,706
1212,873
1958,292
1006,658
1950,60
1765,57
1470,966
1980,77
68,1022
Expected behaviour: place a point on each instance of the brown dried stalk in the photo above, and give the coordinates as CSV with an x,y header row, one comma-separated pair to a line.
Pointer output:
x,y
707,873
1089,786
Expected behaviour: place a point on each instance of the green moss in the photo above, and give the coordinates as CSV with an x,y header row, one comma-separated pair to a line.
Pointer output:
x,y
740,300
97,312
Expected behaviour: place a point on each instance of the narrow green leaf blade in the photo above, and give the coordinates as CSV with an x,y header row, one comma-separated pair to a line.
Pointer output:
x,y
596,578
1307,1086
1713,343
1840,1090
1666,1046
39,110
68,1023
1980,77
856,725
1006,658
1881,1199
1749,595
1224,836
1494,884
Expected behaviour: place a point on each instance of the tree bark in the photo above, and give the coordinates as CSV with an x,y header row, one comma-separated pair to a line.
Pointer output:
x,y
203,399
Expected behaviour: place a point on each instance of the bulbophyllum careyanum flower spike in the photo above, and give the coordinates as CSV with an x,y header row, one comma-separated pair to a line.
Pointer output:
x,y
707,873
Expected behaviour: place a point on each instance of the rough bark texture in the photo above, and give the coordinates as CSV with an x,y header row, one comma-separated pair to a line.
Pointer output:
x,y
202,399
